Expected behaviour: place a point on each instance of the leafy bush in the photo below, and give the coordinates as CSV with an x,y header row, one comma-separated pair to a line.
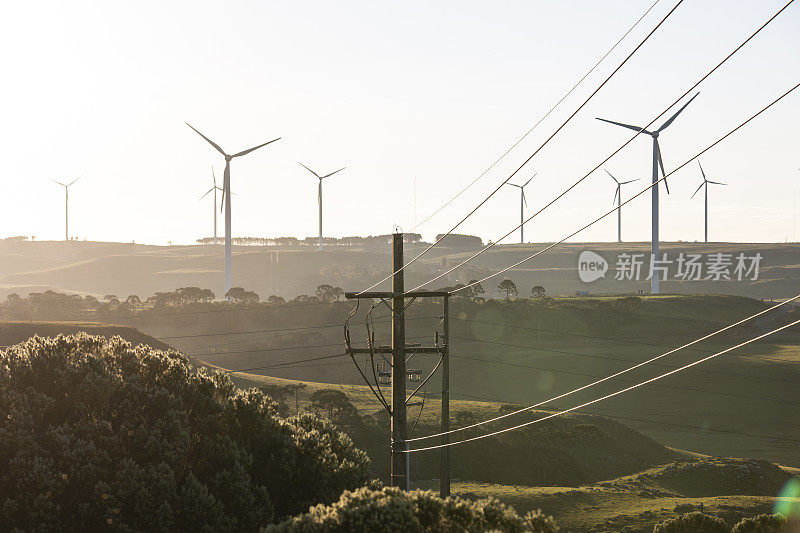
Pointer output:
x,y
95,433
391,509
763,523
335,406
696,522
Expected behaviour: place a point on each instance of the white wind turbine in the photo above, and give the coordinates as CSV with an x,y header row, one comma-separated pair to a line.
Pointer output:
x,y
618,199
226,195
66,205
705,184
657,162
213,189
319,197
523,203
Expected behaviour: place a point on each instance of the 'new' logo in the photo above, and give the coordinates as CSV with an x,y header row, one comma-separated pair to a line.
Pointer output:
x,y
591,266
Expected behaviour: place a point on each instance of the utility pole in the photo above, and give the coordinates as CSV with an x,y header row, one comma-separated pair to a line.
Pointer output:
x,y
397,406
444,481
399,465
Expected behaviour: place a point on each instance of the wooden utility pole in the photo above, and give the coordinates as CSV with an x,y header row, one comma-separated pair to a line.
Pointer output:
x,y
444,490
397,408
399,466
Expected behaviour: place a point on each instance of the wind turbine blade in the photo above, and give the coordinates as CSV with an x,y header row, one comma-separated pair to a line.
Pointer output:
x,y
635,128
717,182
678,112
54,181
332,173
698,189
661,164
212,143
629,181
701,170
524,200
245,152
514,185
529,180
612,176
305,167
73,181
616,192
206,194
213,176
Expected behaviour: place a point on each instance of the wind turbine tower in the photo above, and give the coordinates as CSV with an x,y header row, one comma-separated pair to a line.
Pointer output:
x,y
618,199
523,203
705,184
226,195
66,205
657,162
213,189
319,197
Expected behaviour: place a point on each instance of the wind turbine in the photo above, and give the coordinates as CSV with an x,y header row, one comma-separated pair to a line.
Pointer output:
x,y
618,199
66,205
522,204
657,162
213,189
319,197
705,184
226,194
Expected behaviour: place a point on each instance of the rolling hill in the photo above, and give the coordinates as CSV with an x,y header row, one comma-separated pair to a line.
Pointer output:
x,y
124,268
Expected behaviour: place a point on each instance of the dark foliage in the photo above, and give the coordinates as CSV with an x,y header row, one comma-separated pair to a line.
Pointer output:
x,y
764,523
696,522
393,510
97,434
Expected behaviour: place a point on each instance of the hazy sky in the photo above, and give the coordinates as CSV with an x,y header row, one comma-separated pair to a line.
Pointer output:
x,y
391,90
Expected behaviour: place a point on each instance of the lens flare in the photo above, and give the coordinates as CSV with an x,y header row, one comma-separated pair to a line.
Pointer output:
x,y
788,502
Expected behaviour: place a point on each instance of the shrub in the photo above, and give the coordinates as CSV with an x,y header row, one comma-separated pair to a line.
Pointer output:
x,y
95,433
391,509
696,522
763,523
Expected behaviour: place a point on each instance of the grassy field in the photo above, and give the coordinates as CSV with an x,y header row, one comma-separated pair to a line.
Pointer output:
x,y
635,481
636,503
100,268
729,488
742,404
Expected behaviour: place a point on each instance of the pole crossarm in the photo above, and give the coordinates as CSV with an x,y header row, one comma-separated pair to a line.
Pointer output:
x,y
389,294
388,349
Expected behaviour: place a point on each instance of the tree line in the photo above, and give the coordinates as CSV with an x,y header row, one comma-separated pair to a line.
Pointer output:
x,y
453,240
371,240
52,304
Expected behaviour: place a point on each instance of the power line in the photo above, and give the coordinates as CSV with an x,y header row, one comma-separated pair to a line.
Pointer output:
x,y
224,333
609,358
267,307
259,350
655,422
690,389
652,359
307,328
615,312
563,124
289,363
611,395
654,184
553,108
338,344
604,161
